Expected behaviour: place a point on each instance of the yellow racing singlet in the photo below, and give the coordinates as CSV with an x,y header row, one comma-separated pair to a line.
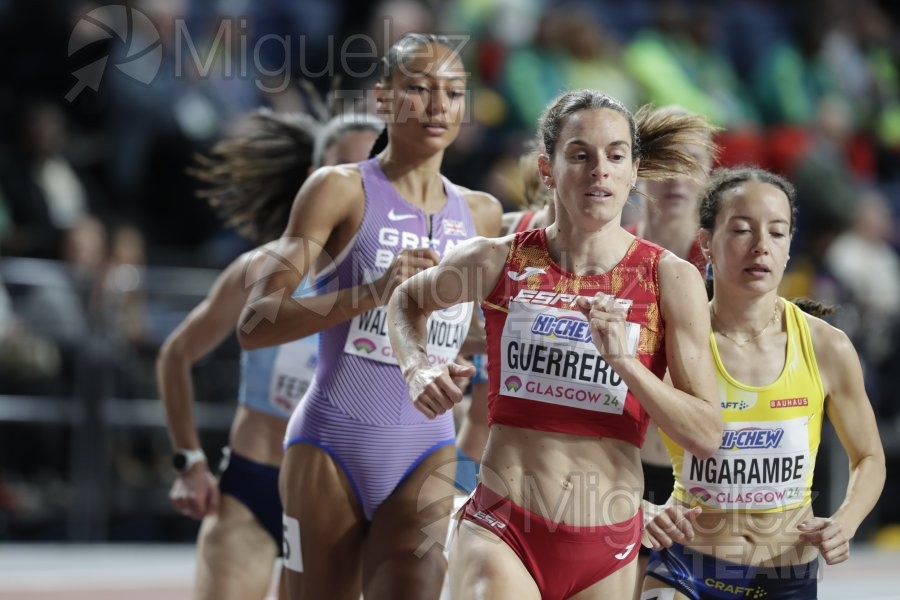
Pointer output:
x,y
768,452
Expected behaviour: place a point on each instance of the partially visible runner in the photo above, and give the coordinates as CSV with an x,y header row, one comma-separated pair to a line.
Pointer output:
x,y
254,177
538,208
671,220
672,215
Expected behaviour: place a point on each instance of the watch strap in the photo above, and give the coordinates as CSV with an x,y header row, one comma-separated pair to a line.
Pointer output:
x,y
187,458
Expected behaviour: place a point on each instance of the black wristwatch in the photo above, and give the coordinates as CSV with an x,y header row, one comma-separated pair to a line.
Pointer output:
x,y
183,460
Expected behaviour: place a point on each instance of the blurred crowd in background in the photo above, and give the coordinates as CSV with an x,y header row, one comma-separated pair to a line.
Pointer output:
x,y
104,110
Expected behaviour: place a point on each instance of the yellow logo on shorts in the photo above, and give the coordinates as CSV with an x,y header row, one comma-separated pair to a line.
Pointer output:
x,y
756,593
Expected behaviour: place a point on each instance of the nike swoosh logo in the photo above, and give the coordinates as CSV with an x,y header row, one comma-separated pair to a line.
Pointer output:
x,y
395,217
528,272
621,555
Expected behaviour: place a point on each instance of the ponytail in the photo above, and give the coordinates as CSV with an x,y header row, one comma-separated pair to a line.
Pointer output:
x,y
380,143
814,307
254,176
663,134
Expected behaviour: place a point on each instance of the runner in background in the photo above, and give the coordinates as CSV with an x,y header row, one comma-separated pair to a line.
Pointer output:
x,y
240,536
671,220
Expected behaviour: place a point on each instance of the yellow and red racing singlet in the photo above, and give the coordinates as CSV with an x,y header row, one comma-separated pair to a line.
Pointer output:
x,y
544,371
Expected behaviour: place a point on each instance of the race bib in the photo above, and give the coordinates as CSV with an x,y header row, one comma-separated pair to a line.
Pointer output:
x,y
295,365
447,329
759,466
547,355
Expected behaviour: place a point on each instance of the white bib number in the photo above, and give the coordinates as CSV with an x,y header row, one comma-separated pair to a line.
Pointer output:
x,y
295,365
547,355
447,330
759,465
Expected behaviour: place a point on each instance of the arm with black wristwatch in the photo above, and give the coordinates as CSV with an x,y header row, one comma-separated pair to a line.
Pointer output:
x,y
195,491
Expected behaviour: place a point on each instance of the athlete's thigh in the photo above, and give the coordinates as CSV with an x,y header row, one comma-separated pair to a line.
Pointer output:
x,y
654,589
618,584
404,551
484,567
235,555
323,544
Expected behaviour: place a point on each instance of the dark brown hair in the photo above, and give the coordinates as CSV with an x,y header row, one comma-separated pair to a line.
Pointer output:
x,y
393,59
723,180
656,136
254,175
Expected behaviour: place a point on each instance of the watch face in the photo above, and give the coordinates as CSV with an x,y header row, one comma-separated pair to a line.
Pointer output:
x,y
179,461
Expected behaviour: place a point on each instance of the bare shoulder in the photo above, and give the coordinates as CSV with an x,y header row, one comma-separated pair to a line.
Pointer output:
x,y
674,271
511,221
831,345
328,197
486,211
477,199
837,359
481,202
343,178
330,189
480,250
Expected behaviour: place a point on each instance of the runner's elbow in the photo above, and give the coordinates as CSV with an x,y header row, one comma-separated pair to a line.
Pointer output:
x,y
704,443
250,334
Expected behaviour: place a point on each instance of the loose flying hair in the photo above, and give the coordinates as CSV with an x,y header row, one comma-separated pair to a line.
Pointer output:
x,y
254,175
657,136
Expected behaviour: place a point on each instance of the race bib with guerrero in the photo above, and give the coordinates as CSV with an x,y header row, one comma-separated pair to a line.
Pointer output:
x,y
547,355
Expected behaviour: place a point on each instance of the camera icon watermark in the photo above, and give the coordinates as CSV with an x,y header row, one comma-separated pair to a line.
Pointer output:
x,y
142,55
275,259
141,45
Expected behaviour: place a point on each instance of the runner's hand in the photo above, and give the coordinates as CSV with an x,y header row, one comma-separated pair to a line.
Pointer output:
x,y
196,492
828,536
406,263
670,525
433,389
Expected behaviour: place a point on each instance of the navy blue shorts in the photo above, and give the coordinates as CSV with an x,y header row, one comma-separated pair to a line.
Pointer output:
x,y
658,484
255,486
702,577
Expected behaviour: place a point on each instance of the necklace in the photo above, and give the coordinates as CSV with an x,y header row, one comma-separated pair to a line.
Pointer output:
x,y
746,341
